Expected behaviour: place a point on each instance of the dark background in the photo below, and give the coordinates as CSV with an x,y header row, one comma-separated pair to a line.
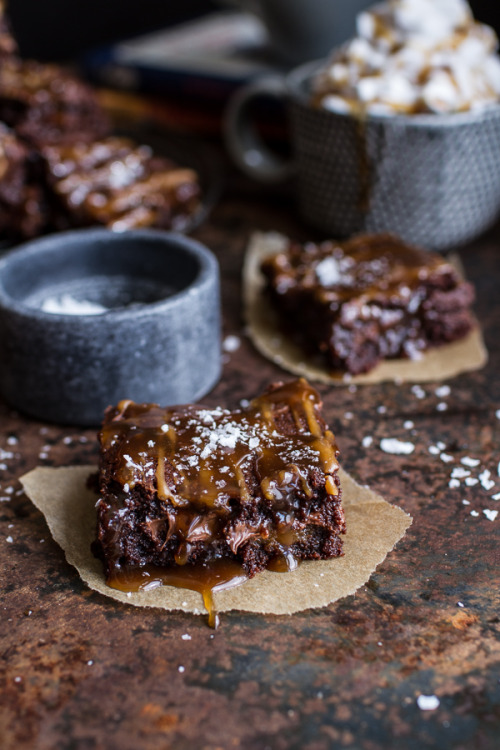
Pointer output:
x,y
63,29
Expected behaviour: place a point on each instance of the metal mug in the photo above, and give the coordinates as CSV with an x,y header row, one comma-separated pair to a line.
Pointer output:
x,y
432,179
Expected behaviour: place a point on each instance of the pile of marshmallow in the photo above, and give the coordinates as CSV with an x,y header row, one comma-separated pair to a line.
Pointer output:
x,y
413,56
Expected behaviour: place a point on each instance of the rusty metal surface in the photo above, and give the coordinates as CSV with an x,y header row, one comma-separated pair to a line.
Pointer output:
x,y
81,672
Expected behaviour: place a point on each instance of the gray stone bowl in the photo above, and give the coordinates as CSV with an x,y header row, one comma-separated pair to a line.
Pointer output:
x,y
90,317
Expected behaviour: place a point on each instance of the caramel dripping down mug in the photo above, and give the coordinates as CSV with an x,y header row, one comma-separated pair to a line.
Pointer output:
x,y
434,180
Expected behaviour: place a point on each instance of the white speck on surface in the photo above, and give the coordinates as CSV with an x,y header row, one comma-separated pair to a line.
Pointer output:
x,y
427,702
453,484
460,604
186,637
90,662
328,272
129,594
381,409
465,502
493,497
434,450
348,415
474,513
12,440
446,458
18,679
441,445
352,388
244,403
67,440
418,391
9,539
490,514
471,481
367,441
181,669
395,446
459,473
231,343
443,391
66,304
497,414
485,480
468,461
164,428
408,425
442,406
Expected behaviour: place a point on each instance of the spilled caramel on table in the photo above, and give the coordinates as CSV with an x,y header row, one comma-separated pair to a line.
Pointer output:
x,y
204,470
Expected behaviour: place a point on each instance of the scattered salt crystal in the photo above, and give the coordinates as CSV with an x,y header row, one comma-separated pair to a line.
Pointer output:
x,y
186,637
485,480
459,473
441,445
408,425
164,428
460,604
5,455
467,461
493,497
90,662
12,440
231,343
395,446
490,514
443,391
471,481
348,415
434,450
427,702
453,484
9,539
18,679
67,440
474,513
129,594
181,669
151,443
244,403
442,406
381,409
465,502
367,441
418,391
446,458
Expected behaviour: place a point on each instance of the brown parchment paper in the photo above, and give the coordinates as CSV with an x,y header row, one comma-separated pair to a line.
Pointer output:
x,y
437,364
373,528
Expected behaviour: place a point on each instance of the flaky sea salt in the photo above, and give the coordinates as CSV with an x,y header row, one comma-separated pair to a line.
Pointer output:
x,y
459,473
468,461
367,441
474,513
454,484
395,446
443,391
417,391
446,458
490,514
231,343
427,702
493,497
471,481
485,480
408,425
442,406
186,637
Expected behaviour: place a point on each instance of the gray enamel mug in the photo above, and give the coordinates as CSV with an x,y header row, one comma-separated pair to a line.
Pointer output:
x,y
432,179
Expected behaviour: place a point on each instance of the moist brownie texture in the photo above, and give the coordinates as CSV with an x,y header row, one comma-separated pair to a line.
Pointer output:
x,y
121,185
257,486
45,104
371,298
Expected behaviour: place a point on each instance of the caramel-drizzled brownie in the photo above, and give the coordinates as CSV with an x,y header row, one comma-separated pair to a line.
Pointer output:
x,y
188,488
121,185
367,299
22,200
45,104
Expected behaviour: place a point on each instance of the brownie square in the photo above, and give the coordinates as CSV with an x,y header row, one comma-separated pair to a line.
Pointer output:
x,y
120,184
45,104
188,487
355,303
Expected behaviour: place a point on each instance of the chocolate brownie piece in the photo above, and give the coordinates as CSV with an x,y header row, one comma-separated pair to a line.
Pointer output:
x,y
188,487
23,210
45,104
355,303
8,45
121,185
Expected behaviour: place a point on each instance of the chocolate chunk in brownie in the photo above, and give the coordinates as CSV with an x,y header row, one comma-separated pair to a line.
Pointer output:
x,y
188,488
355,303
121,185
45,104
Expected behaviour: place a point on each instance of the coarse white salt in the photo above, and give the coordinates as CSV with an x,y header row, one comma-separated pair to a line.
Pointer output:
x,y
453,484
231,343
5,455
467,461
459,473
443,391
442,406
395,446
485,480
434,450
408,425
186,637
490,514
441,445
181,669
12,440
348,415
460,604
474,513
367,441
465,502
471,481
381,409
446,458
493,497
67,440
418,391
244,403
9,539
427,702
164,428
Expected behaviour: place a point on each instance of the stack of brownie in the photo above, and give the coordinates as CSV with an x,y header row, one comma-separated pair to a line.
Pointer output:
x,y
60,168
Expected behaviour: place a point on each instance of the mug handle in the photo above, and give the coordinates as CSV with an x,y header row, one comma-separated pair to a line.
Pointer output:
x,y
245,146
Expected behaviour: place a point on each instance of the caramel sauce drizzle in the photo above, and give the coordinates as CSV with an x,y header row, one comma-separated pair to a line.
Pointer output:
x,y
198,460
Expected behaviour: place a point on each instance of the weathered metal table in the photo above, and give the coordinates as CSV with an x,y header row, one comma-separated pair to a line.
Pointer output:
x,y
83,672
